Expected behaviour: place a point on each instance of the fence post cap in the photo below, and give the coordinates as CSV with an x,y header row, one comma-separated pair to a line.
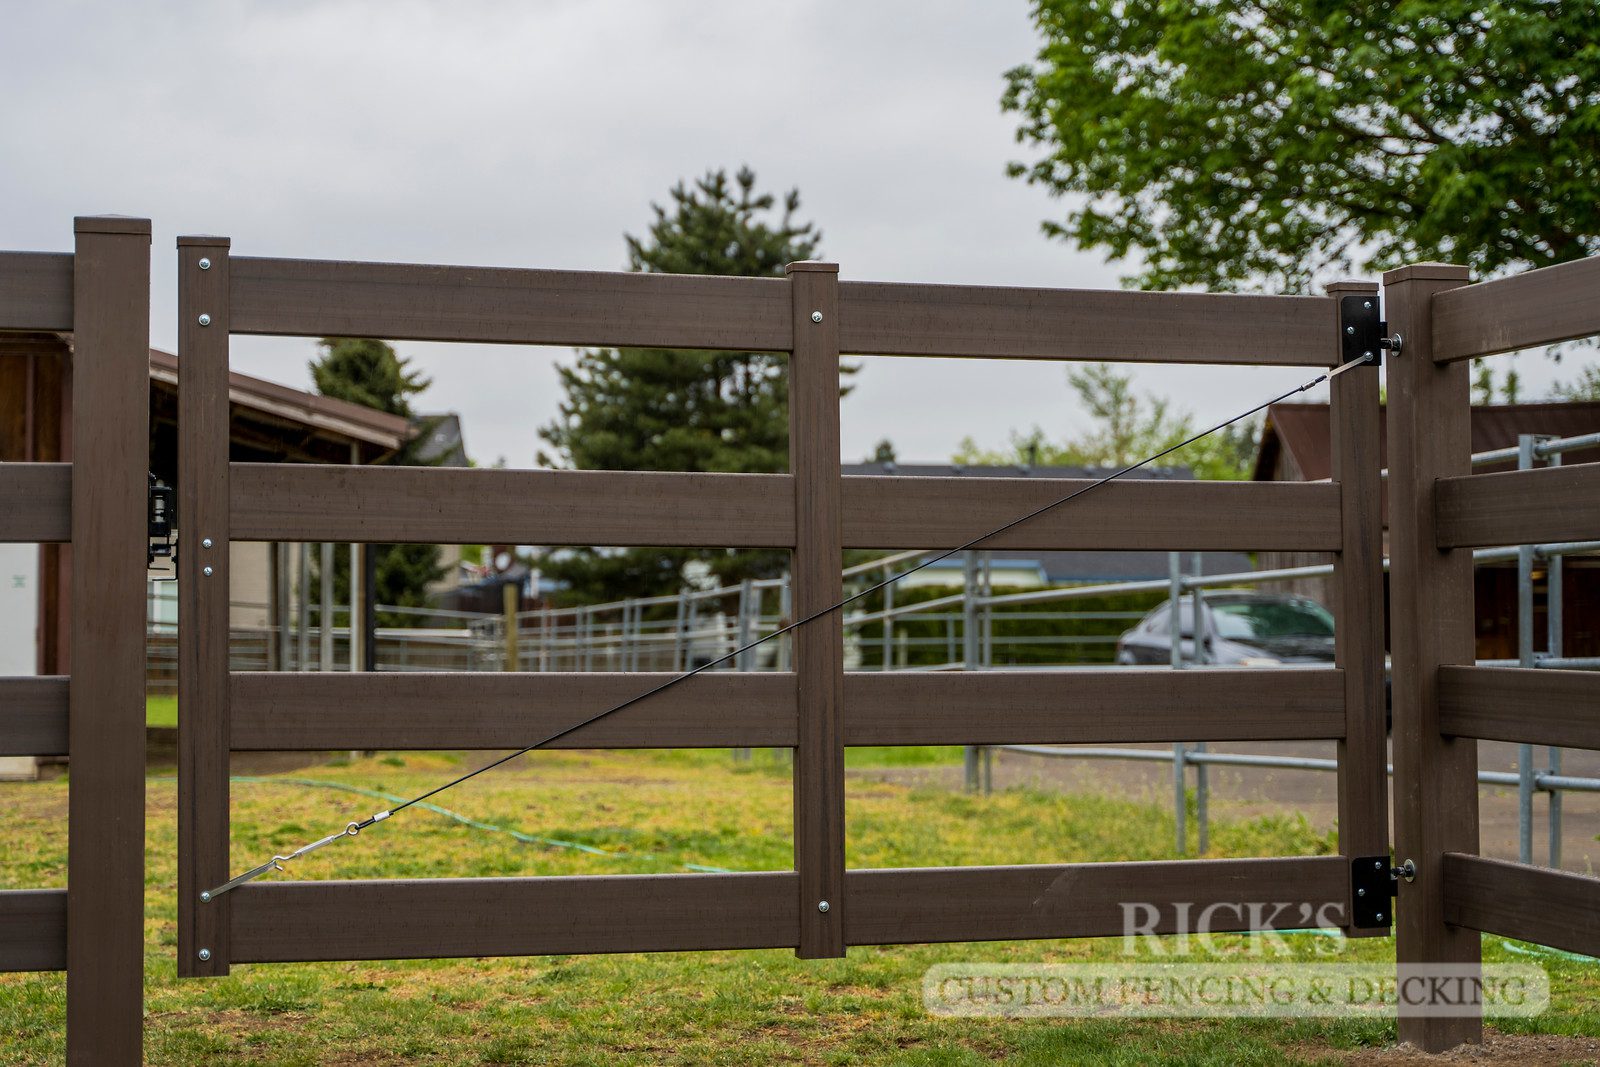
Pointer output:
x,y
205,239
810,264
129,224
1429,272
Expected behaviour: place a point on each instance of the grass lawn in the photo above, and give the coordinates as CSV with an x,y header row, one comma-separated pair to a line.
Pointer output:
x,y
595,813
160,711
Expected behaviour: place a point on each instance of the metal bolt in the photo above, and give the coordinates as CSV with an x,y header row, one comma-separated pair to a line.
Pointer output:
x,y
822,905
1379,916
1378,866
206,571
205,897
1366,355
1408,871
816,316
1366,303
205,264
205,320
1350,329
1361,892
204,954
206,543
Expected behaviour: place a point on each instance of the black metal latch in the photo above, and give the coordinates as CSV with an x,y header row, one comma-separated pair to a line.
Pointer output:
x,y
1372,886
1362,335
162,544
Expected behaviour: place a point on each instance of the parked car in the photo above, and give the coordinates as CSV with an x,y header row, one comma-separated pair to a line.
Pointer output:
x,y
1238,630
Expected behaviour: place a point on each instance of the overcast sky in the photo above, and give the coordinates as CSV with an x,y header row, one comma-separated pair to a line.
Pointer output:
x,y
537,134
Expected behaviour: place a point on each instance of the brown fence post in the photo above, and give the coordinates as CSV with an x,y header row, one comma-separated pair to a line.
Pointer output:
x,y
203,525
1357,587
105,722
819,647
1436,785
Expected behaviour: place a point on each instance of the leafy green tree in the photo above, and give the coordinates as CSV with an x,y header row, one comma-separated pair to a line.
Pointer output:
x,y
369,372
1484,388
670,410
1125,427
1280,141
882,452
1585,387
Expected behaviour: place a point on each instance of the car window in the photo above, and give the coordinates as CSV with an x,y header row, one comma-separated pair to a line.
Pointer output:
x,y
1272,618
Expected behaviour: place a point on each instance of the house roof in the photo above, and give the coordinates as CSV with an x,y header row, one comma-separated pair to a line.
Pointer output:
x,y
323,414
1302,431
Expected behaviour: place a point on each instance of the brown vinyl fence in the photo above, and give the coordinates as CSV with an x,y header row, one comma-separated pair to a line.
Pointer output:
x,y
820,907
94,929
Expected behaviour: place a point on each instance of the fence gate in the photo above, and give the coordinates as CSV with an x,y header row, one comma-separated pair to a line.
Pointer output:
x,y
92,505
819,908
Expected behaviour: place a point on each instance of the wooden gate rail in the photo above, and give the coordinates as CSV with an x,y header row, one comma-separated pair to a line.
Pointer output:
x,y
1443,703
275,712
93,929
818,710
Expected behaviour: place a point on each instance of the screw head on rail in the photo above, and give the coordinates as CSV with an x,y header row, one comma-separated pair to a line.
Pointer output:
x,y
204,320
205,896
1379,916
206,571
822,906
1350,329
205,264
204,954
1365,304
206,543
816,316
1361,892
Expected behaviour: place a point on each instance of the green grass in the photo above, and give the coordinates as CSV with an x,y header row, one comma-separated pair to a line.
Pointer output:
x,y
657,812
160,710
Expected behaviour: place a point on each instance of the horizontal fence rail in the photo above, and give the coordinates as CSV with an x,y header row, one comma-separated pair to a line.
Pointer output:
x,y
33,716
1541,307
895,512
33,930
42,511
452,917
407,302
1518,507
37,291
939,904
306,502
736,710
896,319
1528,903
1524,704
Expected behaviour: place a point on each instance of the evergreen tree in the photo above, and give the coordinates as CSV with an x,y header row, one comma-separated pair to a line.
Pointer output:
x,y
669,410
368,372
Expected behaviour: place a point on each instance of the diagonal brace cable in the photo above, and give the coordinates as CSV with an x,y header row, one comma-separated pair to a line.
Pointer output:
x,y
354,828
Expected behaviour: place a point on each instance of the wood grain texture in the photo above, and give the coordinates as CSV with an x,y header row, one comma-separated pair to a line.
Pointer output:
x,y
1540,307
892,319
1435,777
341,711
1115,706
938,904
817,584
33,716
35,502
1528,705
106,716
1547,907
440,505
33,930
1519,507
442,918
1358,602
203,613
36,291
408,302
901,512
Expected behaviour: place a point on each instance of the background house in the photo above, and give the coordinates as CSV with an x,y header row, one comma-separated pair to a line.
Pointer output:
x,y
1295,447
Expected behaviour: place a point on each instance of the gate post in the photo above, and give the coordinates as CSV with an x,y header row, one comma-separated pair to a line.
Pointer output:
x,y
1357,588
1436,782
203,522
105,722
819,646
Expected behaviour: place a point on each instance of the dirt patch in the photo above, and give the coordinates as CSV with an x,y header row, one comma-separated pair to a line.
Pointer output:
x,y
1528,1050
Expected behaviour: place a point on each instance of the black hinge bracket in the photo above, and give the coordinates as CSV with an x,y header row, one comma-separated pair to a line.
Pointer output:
x,y
1372,886
1362,335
